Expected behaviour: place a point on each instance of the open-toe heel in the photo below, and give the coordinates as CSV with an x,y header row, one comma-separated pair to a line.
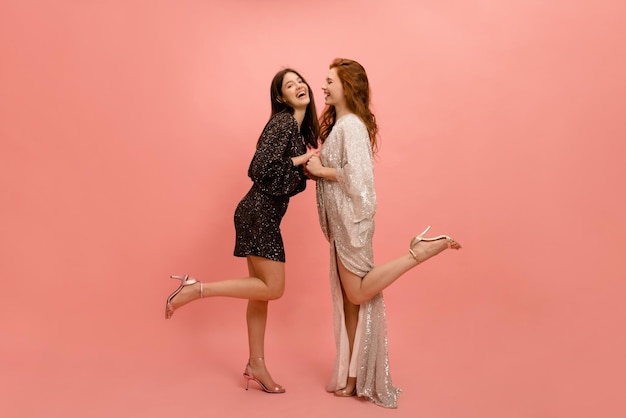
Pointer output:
x,y
451,243
343,393
248,376
184,281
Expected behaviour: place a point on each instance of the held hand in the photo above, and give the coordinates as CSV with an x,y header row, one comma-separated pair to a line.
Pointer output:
x,y
313,151
308,174
314,166
304,158
310,152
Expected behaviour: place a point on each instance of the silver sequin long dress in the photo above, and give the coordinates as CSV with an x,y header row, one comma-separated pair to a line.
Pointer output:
x,y
346,209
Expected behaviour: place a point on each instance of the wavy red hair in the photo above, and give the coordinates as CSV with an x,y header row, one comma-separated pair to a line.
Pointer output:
x,y
357,90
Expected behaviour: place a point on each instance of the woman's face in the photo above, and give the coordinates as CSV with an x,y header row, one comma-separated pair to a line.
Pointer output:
x,y
333,89
295,92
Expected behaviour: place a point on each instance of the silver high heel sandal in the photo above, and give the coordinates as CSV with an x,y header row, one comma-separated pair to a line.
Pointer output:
x,y
451,243
185,281
248,376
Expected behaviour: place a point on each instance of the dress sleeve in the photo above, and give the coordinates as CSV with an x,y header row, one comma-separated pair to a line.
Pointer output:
x,y
356,174
272,168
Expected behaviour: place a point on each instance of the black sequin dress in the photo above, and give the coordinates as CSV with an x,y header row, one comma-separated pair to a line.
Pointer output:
x,y
275,179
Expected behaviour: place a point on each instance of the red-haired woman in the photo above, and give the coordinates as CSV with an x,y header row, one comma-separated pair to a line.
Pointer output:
x,y
346,201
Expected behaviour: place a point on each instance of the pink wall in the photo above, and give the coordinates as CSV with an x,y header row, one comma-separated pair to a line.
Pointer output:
x,y
126,129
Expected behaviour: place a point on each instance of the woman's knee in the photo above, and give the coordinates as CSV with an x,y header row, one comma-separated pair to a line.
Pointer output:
x,y
356,297
276,291
270,272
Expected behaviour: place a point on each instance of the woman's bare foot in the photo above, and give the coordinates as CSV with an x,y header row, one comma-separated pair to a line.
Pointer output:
x,y
258,371
186,295
349,390
423,250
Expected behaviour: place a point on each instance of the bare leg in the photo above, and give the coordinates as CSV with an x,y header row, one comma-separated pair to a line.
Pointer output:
x,y
256,318
361,289
269,287
266,282
355,289
351,312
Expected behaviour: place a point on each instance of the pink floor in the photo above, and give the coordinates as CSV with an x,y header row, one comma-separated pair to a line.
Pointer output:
x,y
460,346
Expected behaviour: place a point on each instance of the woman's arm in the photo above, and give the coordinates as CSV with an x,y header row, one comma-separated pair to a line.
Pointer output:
x,y
271,169
315,167
304,158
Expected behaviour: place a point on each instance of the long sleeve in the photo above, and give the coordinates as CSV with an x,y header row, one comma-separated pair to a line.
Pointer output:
x,y
272,169
356,174
346,210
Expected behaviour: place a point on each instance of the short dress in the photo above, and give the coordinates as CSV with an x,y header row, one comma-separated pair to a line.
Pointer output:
x,y
275,179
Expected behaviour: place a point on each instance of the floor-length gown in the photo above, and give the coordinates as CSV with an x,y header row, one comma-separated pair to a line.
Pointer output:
x,y
346,209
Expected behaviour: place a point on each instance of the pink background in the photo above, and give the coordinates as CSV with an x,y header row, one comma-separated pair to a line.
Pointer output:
x,y
126,130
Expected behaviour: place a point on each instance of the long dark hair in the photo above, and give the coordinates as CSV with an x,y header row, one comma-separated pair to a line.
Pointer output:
x,y
310,128
357,90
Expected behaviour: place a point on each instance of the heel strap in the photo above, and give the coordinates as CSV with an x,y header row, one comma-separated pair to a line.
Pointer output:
x,y
201,290
414,256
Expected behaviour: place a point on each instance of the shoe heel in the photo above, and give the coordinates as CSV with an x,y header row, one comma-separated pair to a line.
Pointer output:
x,y
248,376
184,281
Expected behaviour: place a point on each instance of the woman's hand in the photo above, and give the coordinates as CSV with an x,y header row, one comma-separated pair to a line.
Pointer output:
x,y
304,158
314,166
312,152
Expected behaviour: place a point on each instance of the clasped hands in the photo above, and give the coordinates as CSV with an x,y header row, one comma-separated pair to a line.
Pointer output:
x,y
313,165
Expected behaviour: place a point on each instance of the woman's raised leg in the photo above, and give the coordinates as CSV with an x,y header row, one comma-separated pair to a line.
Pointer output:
x,y
361,289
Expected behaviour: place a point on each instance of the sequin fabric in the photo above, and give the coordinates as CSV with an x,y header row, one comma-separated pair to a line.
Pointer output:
x,y
346,209
275,179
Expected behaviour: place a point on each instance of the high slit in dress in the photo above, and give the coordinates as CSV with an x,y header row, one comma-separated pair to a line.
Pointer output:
x,y
346,209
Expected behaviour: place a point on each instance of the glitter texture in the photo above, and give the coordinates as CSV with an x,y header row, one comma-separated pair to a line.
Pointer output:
x,y
346,209
275,179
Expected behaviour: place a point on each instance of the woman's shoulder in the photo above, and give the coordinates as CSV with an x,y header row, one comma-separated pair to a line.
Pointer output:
x,y
281,125
283,119
351,122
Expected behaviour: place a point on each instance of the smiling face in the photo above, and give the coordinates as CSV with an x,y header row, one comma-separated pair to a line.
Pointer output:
x,y
333,90
295,91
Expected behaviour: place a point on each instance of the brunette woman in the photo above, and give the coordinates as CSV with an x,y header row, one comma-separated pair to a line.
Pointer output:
x,y
287,142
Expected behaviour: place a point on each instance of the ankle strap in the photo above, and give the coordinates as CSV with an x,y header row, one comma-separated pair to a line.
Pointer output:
x,y
256,358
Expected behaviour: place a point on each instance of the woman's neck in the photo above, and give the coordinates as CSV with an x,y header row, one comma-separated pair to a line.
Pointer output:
x,y
341,111
299,116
